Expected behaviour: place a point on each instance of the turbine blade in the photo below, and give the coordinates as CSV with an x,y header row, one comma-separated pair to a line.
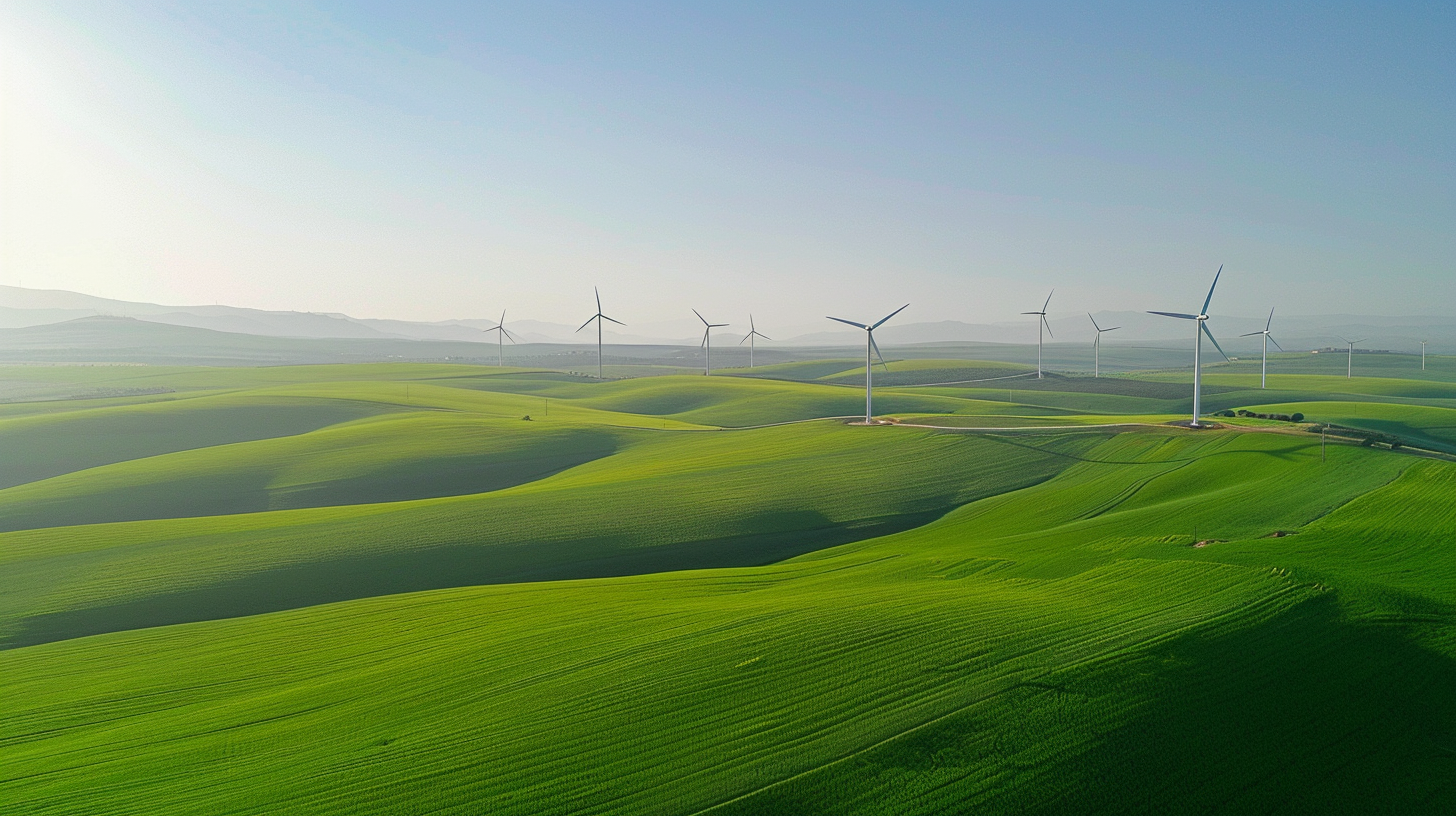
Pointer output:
x,y
704,342
1176,314
1251,334
700,317
750,321
618,322
1094,322
850,322
1270,321
1048,301
745,338
588,321
1275,342
1204,326
1048,327
1114,328
890,315
503,317
764,336
598,293
1036,313
876,347
1209,299
717,325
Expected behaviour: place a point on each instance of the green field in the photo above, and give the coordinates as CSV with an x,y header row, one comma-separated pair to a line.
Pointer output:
x,y
382,589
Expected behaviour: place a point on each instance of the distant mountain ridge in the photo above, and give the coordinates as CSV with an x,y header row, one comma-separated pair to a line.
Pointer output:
x,y
21,307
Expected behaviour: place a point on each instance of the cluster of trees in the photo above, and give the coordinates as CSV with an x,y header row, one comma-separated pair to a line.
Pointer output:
x,y
1295,417
1367,438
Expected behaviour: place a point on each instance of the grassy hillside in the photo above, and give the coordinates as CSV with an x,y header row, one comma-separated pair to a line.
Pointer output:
x,y
912,673
630,500
380,590
915,372
1427,426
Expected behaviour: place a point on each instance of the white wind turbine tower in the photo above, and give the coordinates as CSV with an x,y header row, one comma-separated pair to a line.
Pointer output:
x,y
748,338
599,317
707,344
1350,363
871,345
502,335
1042,323
1423,355
1097,345
1201,321
1268,338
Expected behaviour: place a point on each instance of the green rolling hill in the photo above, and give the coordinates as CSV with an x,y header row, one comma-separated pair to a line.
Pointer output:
x,y
380,589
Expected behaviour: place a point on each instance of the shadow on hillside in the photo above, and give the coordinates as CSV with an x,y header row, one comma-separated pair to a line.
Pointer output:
x,y
249,492
1304,714
770,537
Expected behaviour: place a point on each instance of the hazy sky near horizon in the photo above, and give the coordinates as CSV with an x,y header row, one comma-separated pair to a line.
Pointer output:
x,y
441,160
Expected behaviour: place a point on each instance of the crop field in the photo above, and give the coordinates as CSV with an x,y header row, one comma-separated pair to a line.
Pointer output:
x,y
461,589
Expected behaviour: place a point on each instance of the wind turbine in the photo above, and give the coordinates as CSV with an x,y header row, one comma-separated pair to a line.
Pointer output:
x,y
1350,363
1097,345
707,344
1201,321
599,317
1042,323
502,335
1264,367
752,333
871,345
1423,355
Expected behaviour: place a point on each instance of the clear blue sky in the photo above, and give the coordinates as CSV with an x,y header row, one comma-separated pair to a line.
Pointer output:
x,y
436,160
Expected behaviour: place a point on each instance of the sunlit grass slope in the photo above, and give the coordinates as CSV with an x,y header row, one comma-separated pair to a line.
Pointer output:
x,y
740,402
1060,648
910,372
661,500
41,446
400,457
1416,424
1338,385
1395,366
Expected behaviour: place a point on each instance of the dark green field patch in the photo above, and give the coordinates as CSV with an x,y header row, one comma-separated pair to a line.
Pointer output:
x,y
766,538
1205,721
404,458
40,447
665,502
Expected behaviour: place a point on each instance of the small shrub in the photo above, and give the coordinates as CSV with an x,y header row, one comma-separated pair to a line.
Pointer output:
x,y
1296,417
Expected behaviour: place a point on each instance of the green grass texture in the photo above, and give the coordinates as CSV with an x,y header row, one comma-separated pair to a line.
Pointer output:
x,y
321,594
